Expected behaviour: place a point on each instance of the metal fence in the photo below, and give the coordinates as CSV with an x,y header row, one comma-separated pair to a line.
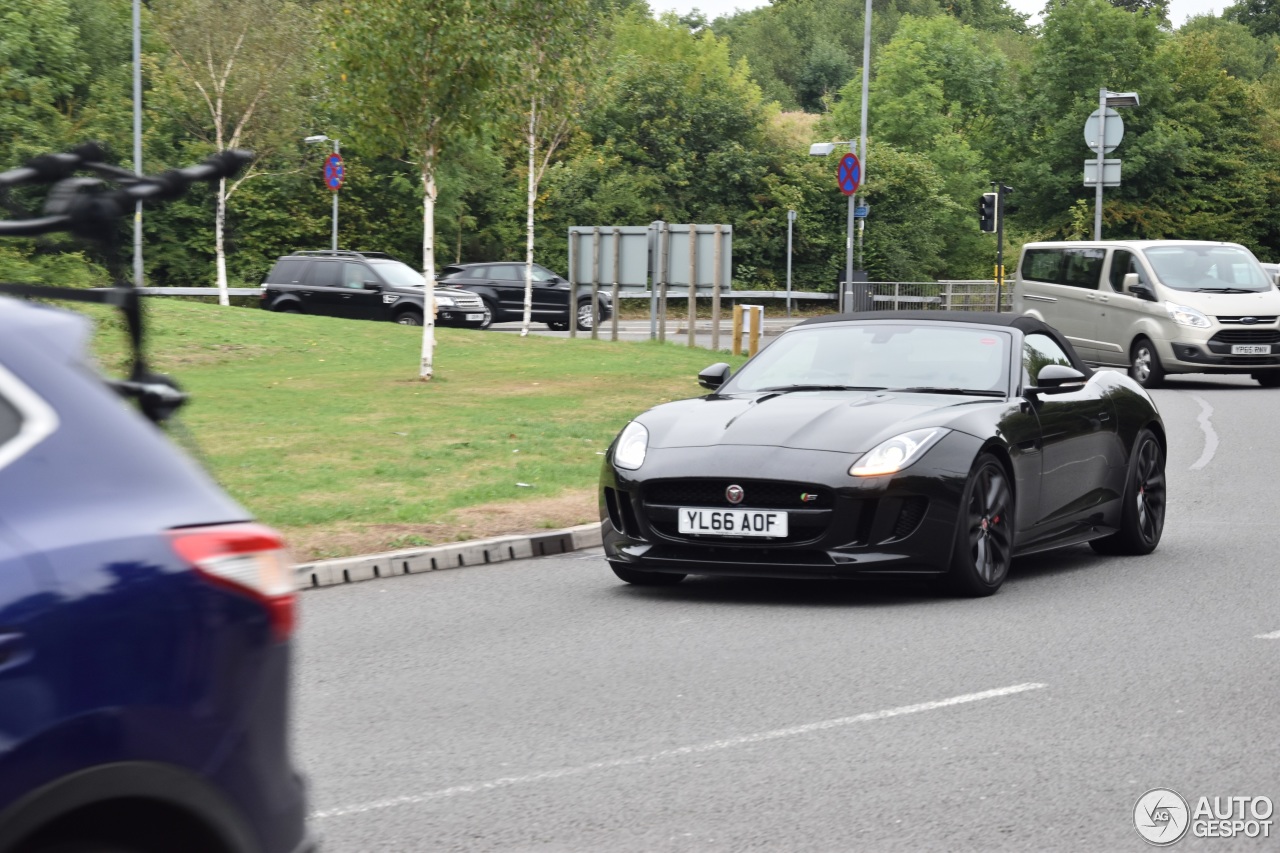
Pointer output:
x,y
966,295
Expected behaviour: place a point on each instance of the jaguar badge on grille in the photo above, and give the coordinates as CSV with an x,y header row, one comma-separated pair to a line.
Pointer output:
x,y
734,494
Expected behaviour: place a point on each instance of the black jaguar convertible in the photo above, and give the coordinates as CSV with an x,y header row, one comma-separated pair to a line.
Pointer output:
x,y
935,443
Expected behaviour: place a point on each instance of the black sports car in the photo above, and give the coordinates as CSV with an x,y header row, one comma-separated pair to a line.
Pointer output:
x,y
942,443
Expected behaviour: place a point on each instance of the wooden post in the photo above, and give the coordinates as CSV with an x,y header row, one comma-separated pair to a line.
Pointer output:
x,y
737,330
617,261
595,285
715,293
693,282
756,322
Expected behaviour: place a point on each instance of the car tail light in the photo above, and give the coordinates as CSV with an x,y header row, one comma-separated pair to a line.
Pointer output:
x,y
250,559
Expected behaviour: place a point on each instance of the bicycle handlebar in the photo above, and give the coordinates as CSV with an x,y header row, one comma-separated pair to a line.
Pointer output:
x,y
48,168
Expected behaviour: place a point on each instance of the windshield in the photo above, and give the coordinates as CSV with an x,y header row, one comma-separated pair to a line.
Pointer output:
x,y
879,356
1207,268
399,274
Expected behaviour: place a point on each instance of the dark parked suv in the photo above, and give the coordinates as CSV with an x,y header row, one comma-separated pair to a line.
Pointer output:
x,y
363,286
501,286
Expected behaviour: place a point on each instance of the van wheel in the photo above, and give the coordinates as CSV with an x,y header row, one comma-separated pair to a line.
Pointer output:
x,y
409,318
1269,379
1144,364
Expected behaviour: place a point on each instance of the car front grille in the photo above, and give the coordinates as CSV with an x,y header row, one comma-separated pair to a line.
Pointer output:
x,y
467,302
1246,336
757,494
1255,320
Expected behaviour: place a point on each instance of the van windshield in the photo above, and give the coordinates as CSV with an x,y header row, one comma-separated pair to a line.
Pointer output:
x,y
1227,269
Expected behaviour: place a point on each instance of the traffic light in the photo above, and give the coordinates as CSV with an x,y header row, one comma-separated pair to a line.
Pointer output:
x,y
988,212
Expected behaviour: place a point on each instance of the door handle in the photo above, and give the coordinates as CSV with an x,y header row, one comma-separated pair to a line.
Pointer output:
x,y
1104,416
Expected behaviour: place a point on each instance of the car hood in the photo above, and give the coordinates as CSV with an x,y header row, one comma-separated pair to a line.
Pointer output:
x,y
1265,302
841,421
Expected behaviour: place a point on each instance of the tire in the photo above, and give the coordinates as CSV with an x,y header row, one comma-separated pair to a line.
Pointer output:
x,y
983,548
1269,379
289,309
1144,364
586,320
489,314
409,318
1142,519
558,327
639,578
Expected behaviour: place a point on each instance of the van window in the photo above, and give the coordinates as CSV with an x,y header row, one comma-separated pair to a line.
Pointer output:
x,y
1073,267
1124,262
326,274
287,272
1207,268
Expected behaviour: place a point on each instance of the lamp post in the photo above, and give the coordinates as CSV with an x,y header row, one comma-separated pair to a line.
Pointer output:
x,y
137,138
822,149
311,140
1106,98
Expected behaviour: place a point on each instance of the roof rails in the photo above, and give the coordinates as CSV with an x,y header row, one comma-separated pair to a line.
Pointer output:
x,y
344,253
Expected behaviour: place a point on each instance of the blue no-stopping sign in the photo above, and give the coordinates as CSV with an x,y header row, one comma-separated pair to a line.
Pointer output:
x,y
334,172
849,174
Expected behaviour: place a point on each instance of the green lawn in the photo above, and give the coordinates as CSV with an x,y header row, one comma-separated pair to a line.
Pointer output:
x,y
321,427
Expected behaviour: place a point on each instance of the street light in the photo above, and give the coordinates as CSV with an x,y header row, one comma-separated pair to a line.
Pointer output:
x,y
312,140
822,149
1106,98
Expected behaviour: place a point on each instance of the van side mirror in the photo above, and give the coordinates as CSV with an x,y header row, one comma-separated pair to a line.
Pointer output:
x,y
375,286
714,376
1056,379
1133,286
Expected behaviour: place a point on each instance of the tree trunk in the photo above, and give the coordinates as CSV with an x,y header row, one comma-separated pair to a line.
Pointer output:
x,y
532,195
428,264
219,243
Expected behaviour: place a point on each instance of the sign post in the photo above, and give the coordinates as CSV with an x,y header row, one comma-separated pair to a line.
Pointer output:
x,y
335,174
849,176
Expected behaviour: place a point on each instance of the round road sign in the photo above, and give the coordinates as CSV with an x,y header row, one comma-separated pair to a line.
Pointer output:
x,y
849,175
334,172
1112,130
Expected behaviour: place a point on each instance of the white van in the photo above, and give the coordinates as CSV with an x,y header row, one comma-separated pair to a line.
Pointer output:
x,y
1156,306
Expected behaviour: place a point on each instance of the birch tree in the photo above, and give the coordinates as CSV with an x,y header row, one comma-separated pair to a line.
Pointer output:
x,y
418,77
554,61
234,72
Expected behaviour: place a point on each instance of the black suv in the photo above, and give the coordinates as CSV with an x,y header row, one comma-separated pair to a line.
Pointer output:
x,y
363,286
501,286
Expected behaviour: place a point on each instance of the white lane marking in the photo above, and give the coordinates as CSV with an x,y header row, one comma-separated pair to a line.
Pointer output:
x,y
1274,635
1210,437
758,737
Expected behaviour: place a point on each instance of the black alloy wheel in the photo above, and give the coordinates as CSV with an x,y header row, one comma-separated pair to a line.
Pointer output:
x,y
1144,364
639,578
1142,519
984,531
488,314
586,317
409,318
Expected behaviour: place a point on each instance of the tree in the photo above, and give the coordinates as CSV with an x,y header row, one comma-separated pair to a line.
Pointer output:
x,y
420,77
554,60
233,78
1260,16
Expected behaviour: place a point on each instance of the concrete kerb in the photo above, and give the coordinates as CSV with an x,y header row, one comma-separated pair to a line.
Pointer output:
x,y
457,555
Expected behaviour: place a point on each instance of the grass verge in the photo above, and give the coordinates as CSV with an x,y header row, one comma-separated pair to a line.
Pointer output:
x,y
321,427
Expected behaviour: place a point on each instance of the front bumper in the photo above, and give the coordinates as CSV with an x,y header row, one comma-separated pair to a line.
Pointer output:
x,y
460,318
896,524
1215,357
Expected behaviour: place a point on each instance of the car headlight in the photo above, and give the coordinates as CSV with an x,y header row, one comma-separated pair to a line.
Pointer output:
x,y
890,457
1186,316
444,302
631,447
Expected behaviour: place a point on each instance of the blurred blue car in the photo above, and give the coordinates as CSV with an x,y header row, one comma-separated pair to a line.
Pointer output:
x,y
144,626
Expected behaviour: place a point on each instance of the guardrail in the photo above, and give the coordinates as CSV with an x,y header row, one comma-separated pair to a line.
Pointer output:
x,y
194,291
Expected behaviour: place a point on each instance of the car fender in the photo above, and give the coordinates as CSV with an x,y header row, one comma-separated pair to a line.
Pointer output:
x,y
163,784
283,300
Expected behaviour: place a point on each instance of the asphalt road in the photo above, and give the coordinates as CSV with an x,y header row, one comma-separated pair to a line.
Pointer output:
x,y
543,705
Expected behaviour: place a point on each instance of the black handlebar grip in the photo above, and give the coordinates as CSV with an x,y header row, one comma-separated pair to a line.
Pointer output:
x,y
48,168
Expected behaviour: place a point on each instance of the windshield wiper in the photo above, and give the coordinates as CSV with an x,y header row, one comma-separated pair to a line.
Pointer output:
x,y
924,389
786,389
1225,290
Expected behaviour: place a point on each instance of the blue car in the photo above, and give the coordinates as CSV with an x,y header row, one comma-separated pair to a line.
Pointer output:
x,y
145,624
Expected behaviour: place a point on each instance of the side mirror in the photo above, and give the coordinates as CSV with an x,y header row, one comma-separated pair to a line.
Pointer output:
x,y
375,286
1133,286
714,376
1057,379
